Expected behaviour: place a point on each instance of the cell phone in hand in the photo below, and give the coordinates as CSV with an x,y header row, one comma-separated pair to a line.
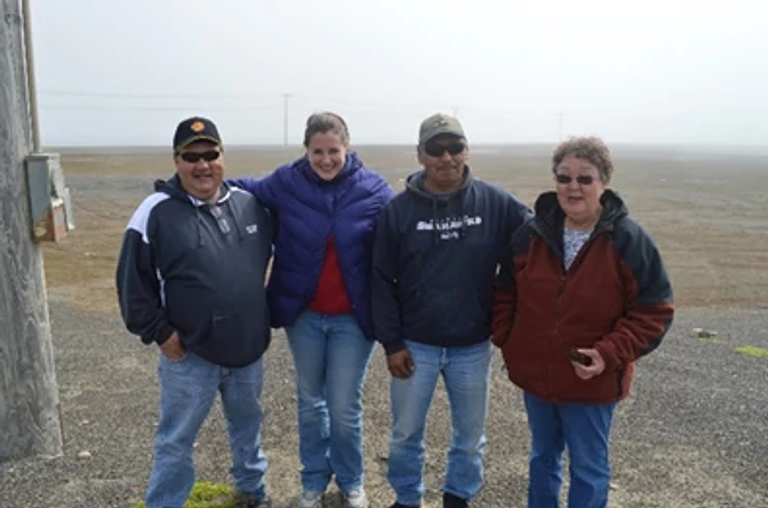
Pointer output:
x,y
581,358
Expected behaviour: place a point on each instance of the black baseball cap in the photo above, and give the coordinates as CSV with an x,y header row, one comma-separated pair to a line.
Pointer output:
x,y
196,128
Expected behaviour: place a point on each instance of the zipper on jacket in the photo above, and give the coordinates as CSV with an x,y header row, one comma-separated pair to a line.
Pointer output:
x,y
554,330
555,246
563,275
598,231
561,286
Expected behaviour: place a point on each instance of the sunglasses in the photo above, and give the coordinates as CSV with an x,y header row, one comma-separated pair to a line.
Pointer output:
x,y
438,149
192,157
581,179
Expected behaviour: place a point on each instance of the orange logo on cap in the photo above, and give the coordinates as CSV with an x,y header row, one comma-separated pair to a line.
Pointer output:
x,y
197,126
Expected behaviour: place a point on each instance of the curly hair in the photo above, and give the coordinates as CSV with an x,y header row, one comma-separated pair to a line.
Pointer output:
x,y
590,149
320,123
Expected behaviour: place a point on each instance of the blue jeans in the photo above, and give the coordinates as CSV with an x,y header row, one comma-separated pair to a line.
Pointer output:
x,y
187,390
331,356
585,429
466,372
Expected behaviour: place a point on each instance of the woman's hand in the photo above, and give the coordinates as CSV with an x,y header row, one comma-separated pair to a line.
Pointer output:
x,y
595,367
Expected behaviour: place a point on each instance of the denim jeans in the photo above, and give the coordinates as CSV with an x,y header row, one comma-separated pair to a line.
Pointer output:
x,y
466,372
331,356
585,429
187,390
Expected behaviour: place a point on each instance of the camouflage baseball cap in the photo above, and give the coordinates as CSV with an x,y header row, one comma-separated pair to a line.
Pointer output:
x,y
439,124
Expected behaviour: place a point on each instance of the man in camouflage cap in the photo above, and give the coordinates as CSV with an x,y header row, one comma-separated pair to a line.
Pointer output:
x,y
437,248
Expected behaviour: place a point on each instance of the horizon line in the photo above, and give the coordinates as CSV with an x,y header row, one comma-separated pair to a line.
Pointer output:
x,y
670,144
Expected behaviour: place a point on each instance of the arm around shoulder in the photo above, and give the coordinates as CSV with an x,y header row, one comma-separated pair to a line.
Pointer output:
x,y
266,190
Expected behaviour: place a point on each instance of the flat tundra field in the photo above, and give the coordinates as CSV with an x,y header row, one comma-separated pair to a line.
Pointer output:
x,y
694,432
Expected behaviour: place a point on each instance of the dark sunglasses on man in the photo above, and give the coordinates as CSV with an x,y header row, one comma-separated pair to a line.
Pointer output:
x,y
192,157
436,149
581,179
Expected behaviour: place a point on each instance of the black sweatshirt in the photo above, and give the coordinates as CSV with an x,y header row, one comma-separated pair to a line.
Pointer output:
x,y
198,269
434,261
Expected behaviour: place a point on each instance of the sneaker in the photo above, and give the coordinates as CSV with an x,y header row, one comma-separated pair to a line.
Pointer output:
x,y
453,501
355,499
400,505
243,500
311,499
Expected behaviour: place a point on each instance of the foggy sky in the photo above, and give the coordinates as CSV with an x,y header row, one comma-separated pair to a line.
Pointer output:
x,y
657,71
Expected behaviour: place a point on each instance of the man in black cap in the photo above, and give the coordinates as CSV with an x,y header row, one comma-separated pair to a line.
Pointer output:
x,y
190,279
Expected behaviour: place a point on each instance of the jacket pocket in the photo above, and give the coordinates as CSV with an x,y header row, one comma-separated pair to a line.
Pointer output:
x,y
228,329
237,337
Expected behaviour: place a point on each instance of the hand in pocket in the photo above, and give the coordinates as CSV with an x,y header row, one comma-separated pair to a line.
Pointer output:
x,y
172,348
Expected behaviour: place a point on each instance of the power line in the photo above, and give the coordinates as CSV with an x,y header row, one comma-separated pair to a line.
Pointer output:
x,y
379,107
159,108
388,105
348,103
67,93
303,98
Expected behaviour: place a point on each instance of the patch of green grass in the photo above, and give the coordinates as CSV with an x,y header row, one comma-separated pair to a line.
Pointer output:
x,y
755,352
207,495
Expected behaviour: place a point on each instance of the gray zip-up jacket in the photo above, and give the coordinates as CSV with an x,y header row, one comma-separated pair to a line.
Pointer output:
x,y
198,269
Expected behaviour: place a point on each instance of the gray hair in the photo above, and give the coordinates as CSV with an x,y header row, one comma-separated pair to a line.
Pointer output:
x,y
590,149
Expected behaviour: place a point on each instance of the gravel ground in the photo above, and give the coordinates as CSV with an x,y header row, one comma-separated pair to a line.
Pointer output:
x,y
693,434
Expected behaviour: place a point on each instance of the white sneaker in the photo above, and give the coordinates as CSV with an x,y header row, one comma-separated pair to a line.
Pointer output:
x,y
355,499
311,499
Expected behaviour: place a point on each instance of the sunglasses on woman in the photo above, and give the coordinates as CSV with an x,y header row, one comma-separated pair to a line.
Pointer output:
x,y
192,157
438,149
581,179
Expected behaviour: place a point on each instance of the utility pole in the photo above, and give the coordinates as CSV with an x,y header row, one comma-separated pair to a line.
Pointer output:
x,y
29,401
286,97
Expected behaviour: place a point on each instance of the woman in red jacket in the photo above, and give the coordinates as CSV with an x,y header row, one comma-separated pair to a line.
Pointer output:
x,y
583,295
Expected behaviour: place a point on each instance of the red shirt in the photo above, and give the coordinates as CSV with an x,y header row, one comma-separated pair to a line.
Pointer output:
x,y
331,295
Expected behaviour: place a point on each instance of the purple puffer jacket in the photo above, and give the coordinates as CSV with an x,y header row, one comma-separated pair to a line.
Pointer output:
x,y
309,210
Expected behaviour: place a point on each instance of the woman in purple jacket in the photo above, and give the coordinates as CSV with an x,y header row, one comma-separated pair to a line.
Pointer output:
x,y
327,205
